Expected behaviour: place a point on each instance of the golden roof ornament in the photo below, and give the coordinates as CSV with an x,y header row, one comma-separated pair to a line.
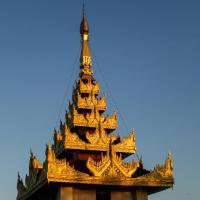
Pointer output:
x,y
86,151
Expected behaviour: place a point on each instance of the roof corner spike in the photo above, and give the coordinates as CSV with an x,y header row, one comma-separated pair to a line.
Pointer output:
x,y
18,175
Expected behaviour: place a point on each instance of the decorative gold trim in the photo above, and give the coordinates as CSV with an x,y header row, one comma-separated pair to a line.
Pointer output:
x,y
59,167
162,171
72,139
110,122
84,88
127,144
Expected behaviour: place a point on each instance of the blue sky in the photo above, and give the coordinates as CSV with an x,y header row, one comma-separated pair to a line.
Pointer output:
x,y
149,53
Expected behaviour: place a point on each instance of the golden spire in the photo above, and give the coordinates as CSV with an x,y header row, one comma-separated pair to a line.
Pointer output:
x,y
85,59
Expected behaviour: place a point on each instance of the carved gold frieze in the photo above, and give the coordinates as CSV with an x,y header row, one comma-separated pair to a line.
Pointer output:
x,y
85,88
90,88
84,102
101,104
87,120
90,102
95,88
127,169
72,139
99,137
99,167
110,122
127,144
112,165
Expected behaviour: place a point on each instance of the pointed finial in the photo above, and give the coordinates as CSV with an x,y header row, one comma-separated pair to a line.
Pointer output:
x,y
169,157
141,161
84,27
48,146
85,59
169,164
83,8
31,153
61,124
18,175
55,131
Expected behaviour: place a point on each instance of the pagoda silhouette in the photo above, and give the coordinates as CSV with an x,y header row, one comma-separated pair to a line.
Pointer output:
x,y
86,159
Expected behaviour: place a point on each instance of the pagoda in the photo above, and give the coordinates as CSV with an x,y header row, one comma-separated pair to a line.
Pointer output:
x,y
86,159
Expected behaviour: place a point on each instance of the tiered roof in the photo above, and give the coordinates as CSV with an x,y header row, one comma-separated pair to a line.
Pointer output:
x,y
85,150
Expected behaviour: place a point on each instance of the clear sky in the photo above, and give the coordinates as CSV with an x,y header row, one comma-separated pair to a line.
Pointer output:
x,y
149,53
